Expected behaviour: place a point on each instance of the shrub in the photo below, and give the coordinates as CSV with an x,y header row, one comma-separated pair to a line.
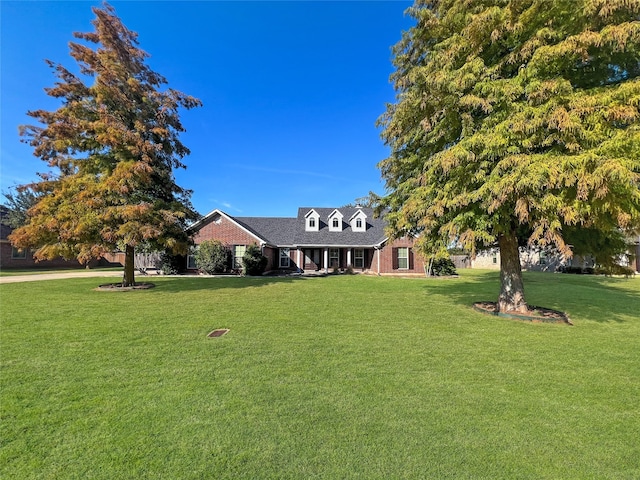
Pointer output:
x,y
212,257
443,267
171,264
614,269
253,261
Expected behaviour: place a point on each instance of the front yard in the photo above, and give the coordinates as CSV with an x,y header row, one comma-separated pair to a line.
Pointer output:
x,y
336,377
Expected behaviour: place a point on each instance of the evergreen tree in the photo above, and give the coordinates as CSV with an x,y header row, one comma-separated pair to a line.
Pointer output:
x,y
18,201
112,145
511,116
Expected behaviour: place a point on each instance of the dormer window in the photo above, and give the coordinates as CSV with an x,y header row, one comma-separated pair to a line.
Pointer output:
x,y
358,221
335,221
312,221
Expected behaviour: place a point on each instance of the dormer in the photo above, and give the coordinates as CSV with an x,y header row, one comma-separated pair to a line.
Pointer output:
x,y
358,221
335,221
312,221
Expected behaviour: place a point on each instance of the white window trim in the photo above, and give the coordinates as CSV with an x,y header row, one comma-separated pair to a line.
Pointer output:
x,y
237,259
312,214
284,255
353,221
335,215
403,258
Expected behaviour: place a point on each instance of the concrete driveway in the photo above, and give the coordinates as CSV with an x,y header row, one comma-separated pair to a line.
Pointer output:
x,y
60,275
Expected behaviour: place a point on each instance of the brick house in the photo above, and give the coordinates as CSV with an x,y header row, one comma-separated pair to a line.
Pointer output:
x,y
317,239
12,257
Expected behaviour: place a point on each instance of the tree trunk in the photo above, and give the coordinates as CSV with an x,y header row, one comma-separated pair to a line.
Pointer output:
x,y
129,267
511,286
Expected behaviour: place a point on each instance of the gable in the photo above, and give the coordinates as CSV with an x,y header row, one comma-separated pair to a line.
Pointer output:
x,y
217,225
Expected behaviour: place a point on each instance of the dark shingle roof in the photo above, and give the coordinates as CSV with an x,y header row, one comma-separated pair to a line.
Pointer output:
x,y
274,230
374,234
291,231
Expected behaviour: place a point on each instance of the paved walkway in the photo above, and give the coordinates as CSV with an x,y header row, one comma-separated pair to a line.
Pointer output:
x,y
60,275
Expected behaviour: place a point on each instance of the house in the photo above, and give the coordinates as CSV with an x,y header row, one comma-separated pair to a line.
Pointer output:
x,y
12,257
317,239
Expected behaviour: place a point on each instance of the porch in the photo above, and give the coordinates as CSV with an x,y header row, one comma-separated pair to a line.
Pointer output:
x,y
332,258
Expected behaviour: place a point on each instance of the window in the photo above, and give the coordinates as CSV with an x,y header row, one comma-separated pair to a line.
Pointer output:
x,y
312,221
284,258
18,253
403,258
191,260
238,253
359,223
358,258
334,257
495,259
336,223
543,258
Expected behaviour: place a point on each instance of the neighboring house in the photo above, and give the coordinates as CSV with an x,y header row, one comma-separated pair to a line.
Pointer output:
x,y
530,259
318,239
12,257
540,260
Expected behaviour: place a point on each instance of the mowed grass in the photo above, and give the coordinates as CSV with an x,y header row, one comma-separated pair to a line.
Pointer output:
x,y
337,377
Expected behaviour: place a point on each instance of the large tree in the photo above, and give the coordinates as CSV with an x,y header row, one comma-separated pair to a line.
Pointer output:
x,y
112,146
514,117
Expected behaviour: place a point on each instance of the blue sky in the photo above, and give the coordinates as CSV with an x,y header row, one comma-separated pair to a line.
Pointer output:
x,y
291,92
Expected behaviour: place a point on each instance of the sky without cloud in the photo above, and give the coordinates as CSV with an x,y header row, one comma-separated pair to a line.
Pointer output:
x,y
291,92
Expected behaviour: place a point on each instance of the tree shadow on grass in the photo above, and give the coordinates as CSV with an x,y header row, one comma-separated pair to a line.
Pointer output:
x,y
592,298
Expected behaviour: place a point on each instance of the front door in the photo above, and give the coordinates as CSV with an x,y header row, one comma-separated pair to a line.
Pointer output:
x,y
312,259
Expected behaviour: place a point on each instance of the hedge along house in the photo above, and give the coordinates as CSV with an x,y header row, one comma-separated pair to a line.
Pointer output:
x,y
318,239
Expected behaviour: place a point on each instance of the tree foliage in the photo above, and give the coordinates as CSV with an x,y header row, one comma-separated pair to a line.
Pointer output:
x,y
511,116
18,201
213,257
112,146
253,261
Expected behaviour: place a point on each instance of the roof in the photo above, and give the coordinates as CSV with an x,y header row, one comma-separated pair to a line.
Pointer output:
x,y
5,230
274,230
373,236
291,231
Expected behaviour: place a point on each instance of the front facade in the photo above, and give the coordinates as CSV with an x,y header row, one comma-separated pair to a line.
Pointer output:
x,y
317,239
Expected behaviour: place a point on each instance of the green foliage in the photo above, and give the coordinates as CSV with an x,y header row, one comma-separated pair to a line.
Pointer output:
x,y
18,201
253,261
113,145
171,264
514,114
443,267
213,257
607,248
615,269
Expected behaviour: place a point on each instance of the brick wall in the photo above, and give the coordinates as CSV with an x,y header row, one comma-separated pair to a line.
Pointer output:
x,y
6,260
222,229
388,259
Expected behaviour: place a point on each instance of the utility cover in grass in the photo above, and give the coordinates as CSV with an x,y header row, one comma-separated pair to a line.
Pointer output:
x,y
218,333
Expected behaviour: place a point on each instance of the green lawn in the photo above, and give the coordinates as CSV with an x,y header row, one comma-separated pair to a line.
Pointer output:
x,y
337,377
